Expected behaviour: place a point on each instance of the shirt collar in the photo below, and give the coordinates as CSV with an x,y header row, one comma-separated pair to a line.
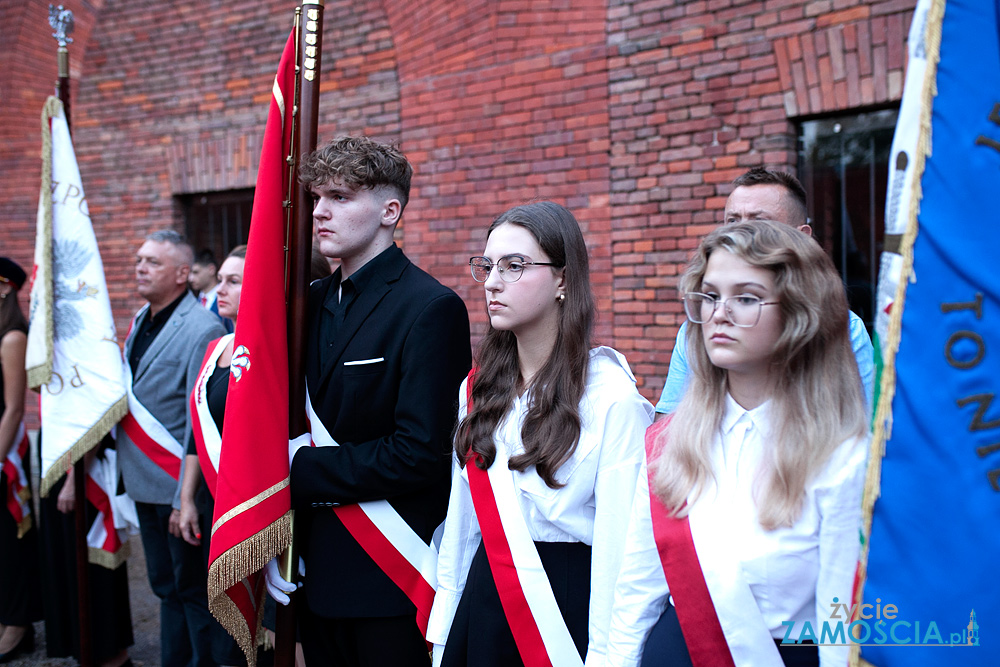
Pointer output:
x,y
163,315
363,276
735,413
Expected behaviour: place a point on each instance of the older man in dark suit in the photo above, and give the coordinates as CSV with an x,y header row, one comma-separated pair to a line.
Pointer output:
x,y
388,348
163,353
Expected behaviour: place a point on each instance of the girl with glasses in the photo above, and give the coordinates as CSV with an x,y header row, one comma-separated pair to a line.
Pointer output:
x,y
748,519
547,453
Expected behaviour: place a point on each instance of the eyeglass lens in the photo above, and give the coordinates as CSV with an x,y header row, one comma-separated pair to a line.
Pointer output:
x,y
742,310
510,268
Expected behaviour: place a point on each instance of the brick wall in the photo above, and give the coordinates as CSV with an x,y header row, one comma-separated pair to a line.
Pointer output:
x,y
700,92
634,114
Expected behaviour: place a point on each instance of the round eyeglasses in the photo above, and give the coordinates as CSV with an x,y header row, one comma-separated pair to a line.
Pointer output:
x,y
510,267
743,310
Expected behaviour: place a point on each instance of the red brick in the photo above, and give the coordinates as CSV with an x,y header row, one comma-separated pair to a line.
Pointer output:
x,y
845,16
637,115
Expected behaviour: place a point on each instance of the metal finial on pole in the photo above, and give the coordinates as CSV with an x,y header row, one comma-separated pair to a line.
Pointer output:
x,y
61,20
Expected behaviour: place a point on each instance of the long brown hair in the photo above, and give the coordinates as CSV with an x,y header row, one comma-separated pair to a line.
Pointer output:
x,y
817,402
551,427
11,315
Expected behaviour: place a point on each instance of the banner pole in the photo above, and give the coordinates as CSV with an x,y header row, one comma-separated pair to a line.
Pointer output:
x,y
62,21
297,273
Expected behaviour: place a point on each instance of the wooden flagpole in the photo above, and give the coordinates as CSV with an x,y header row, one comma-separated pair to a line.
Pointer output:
x,y
298,269
61,21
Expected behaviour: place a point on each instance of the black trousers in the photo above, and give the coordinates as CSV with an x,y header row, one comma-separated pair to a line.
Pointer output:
x,y
177,576
362,642
20,599
480,635
665,646
224,649
110,613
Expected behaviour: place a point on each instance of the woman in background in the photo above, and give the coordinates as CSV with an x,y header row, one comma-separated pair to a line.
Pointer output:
x,y
208,408
750,514
19,599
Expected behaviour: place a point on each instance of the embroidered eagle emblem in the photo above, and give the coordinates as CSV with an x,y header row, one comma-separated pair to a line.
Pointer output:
x,y
240,363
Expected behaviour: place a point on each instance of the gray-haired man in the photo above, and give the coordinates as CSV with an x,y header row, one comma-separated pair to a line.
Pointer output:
x,y
163,352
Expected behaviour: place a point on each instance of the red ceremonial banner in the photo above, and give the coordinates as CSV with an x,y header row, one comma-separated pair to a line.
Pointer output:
x,y
252,522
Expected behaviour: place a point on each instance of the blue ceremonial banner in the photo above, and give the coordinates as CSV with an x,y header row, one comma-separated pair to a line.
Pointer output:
x,y
933,500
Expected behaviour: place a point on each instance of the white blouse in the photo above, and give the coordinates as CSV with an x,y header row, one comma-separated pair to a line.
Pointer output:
x,y
599,481
793,572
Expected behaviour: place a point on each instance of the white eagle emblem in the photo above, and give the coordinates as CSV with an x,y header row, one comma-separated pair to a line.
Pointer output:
x,y
240,363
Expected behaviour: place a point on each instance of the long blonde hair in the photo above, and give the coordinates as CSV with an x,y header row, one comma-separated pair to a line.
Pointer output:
x,y
817,402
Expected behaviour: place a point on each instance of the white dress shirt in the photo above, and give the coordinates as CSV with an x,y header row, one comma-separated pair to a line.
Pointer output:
x,y
593,507
793,572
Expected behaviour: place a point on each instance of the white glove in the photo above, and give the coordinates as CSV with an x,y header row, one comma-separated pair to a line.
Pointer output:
x,y
277,587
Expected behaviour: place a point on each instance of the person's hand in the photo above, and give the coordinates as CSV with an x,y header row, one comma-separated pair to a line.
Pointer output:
x,y
66,500
277,587
188,522
174,525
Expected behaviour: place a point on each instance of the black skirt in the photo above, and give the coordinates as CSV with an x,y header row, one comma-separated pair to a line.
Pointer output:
x,y
110,613
665,646
480,635
20,603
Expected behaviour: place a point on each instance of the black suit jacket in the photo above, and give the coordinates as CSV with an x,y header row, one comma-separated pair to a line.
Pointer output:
x,y
392,418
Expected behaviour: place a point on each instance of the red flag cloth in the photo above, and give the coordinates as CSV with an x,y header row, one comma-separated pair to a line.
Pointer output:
x,y
252,522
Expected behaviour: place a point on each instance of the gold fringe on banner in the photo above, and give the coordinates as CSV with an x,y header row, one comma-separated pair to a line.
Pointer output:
x,y
110,561
232,567
24,526
882,426
88,441
42,373
24,495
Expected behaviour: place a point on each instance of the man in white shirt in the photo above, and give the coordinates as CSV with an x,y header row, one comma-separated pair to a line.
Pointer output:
x,y
766,194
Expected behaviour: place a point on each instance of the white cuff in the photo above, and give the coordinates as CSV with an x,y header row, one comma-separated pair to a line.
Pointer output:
x,y
442,615
304,440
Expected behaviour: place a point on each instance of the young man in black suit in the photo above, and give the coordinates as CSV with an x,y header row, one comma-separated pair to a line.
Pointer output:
x,y
388,348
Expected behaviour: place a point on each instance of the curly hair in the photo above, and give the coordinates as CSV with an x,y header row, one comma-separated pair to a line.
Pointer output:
x,y
359,163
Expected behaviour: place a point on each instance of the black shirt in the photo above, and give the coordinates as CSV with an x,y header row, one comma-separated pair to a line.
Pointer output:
x,y
334,311
149,327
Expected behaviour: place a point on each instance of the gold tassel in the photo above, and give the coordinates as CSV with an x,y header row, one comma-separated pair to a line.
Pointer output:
x,y
24,526
882,428
229,569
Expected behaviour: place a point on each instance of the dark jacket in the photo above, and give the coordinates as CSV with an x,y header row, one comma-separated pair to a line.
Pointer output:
x,y
393,419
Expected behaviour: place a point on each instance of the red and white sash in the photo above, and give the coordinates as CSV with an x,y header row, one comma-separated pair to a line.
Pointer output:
x,y
541,635
18,498
116,517
146,432
207,437
717,612
398,551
